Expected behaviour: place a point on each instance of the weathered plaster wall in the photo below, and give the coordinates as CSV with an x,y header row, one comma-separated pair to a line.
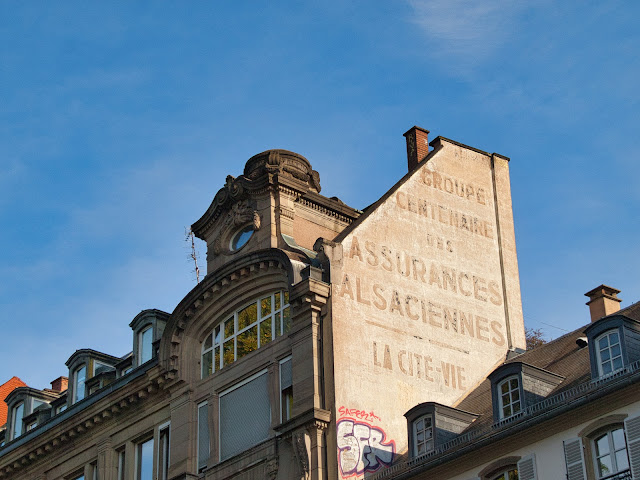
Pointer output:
x,y
422,290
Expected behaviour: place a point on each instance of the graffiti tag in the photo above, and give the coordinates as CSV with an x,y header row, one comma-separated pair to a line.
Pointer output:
x,y
359,414
362,447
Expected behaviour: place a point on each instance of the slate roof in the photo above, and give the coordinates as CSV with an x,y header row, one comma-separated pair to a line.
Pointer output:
x,y
561,356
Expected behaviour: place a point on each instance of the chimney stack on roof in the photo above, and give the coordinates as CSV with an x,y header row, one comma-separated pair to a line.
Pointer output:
x,y
603,301
60,384
417,145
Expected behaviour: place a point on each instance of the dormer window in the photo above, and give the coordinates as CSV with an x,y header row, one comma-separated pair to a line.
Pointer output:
x,y
423,434
609,353
145,340
79,378
510,402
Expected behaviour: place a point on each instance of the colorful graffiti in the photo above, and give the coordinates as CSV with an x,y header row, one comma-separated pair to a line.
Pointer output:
x,y
362,447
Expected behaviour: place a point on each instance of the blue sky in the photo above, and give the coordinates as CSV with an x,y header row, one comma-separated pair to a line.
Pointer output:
x,y
119,121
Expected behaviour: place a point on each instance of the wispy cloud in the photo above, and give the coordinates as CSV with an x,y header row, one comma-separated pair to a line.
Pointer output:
x,y
468,30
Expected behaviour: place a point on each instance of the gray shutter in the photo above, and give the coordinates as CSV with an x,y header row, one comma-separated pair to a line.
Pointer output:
x,y
245,416
574,459
204,448
632,429
285,374
527,468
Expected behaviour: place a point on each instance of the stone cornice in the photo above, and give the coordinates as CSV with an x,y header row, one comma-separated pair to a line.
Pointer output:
x,y
93,412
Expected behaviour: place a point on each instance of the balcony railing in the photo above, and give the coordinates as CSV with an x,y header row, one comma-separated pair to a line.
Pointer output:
x,y
623,475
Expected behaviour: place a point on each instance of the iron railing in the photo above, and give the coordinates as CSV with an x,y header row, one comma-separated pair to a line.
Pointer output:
x,y
544,406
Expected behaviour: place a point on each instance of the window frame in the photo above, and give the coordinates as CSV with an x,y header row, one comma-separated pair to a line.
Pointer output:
x,y
141,333
15,421
593,445
212,350
425,441
500,394
139,455
286,394
164,451
599,361
505,471
75,398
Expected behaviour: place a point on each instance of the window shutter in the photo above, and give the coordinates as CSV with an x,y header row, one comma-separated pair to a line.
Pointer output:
x,y
574,459
632,429
245,416
203,436
527,468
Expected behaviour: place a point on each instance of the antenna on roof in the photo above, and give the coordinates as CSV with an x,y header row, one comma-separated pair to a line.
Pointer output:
x,y
189,236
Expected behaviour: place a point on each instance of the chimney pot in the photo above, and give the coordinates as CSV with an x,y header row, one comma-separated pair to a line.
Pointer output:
x,y
417,145
603,301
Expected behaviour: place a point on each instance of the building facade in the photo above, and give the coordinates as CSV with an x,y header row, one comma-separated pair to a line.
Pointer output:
x,y
324,342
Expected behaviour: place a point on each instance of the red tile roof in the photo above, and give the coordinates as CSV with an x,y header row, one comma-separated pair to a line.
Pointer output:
x,y
5,390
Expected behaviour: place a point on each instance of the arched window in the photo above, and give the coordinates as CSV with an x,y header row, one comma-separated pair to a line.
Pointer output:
x,y
610,452
609,353
509,397
508,474
247,329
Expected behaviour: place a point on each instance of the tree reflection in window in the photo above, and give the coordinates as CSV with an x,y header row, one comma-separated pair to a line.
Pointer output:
x,y
510,474
611,452
248,329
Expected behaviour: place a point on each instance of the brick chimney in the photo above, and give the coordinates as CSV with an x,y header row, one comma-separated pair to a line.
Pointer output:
x,y
603,301
60,384
417,145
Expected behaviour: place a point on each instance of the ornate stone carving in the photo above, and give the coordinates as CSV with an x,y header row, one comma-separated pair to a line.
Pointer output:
x,y
299,443
271,468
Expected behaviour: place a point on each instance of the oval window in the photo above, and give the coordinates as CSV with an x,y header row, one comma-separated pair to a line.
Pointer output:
x,y
241,238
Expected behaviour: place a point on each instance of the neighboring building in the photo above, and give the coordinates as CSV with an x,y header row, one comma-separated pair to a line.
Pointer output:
x,y
569,409
316,329
5,389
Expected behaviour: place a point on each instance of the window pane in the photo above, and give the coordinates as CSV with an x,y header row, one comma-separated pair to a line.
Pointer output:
x,y
278,317
208,342
515,395
229,328
602,445
228,352
207,364
617,363
17,420
265,306
504,388
248,316
603,343
286,298
606,368
265,331
277,296
615,350
146,339
604,465
216,335
145,460
247,341
507,411
78,386
605,355
618,439
203,436
216,359
613,338
621,460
